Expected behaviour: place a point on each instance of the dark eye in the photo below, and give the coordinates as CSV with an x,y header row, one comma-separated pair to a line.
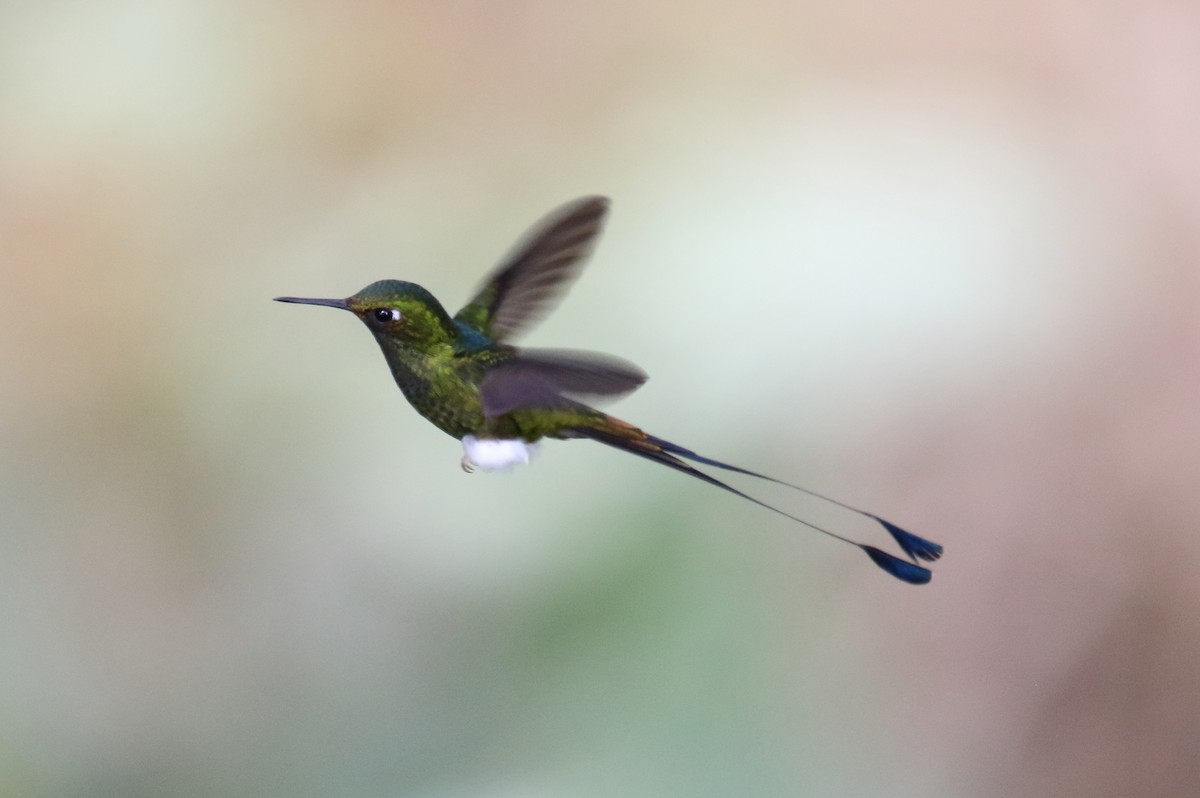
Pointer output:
x,y
384,315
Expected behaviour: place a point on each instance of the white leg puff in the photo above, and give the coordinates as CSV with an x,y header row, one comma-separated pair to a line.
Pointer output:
x,y
495,454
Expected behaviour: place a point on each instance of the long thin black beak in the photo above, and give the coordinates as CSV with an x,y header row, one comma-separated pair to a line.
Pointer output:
x,y
298,300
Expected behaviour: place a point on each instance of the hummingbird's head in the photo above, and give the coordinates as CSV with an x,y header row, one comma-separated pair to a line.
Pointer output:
x,y
395,310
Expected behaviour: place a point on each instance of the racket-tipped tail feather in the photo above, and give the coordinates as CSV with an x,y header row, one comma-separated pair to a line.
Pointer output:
x,y
631,439
914,546
901,569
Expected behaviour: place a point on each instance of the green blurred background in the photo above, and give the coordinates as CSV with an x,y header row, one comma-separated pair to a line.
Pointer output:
x,y
937,259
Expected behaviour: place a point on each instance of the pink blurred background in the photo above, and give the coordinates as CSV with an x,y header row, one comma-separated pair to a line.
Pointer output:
x,y
936,259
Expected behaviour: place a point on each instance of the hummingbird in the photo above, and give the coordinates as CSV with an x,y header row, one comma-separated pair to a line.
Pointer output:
x,y
462,373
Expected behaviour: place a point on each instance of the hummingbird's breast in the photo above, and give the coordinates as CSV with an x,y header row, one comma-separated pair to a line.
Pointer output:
x,y
442,388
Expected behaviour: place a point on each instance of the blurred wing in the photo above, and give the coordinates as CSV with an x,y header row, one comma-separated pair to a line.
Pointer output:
x,y
544,377
524,286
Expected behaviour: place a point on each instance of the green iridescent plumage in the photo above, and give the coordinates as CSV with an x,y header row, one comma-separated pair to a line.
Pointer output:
x,y
462,375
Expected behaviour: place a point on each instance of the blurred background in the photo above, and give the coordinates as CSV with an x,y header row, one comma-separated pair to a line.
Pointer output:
x,y
935,259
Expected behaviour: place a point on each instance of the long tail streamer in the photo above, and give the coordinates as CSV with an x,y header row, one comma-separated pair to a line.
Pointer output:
x,y
669,454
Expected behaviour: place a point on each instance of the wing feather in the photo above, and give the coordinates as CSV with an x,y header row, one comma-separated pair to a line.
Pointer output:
x,y
545,377
526,284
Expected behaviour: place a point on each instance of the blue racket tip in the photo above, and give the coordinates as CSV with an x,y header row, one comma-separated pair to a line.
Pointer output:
x,y
901,569
914,546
